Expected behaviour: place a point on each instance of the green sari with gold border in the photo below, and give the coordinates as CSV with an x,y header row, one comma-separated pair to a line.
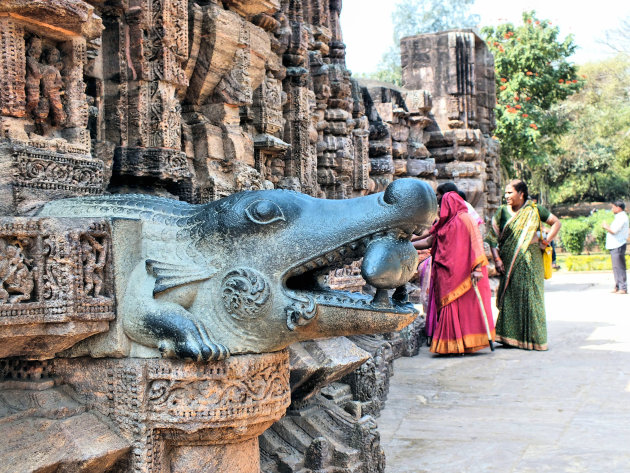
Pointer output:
x,y
520,297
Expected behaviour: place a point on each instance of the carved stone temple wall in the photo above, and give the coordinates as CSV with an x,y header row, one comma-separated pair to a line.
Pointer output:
x,y
194,101
457,69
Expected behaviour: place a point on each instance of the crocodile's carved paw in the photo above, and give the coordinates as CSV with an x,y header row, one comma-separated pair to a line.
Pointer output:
x,y
177,336
193,349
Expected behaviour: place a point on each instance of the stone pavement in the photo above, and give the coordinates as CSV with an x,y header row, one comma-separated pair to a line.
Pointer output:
x,y
564,410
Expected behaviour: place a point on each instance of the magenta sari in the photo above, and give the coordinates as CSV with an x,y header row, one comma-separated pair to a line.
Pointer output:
x,y
457,249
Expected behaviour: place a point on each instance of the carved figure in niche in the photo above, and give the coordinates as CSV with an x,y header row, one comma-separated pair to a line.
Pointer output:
x,y
33,73
44,84
93,256
193,293
51,88
16,279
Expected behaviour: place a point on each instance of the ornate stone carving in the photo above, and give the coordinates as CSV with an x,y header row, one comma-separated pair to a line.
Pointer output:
x,y
44,106
246,294
268,101
370,382
164,407
16,273
192,294
333,435
12,83
56,284
41,169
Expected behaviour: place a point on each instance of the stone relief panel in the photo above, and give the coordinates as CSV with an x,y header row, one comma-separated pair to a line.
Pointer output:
x,y
16,273
44,108
56,284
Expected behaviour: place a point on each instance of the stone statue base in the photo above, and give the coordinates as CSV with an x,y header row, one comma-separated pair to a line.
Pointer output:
x,y
158,415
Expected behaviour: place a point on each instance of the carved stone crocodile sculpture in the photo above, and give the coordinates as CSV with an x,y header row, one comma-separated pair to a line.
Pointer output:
x,y
246,274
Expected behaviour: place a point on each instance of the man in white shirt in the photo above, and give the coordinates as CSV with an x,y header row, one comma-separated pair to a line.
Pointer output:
x,y
616,240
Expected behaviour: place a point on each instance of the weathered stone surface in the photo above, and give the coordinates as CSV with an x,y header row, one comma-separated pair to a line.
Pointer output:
x,y
407,342
185,411
332,435
46,149
397,120
45,429
318,363
370,382
458,70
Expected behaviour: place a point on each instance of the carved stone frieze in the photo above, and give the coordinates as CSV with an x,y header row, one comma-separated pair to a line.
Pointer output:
x,y
43,169
181,413
159,163
56,284
43,104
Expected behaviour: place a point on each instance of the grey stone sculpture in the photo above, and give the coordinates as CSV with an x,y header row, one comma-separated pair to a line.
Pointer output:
x,y
246,274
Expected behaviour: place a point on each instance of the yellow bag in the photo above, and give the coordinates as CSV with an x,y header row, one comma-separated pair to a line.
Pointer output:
x,y
547,253
547,256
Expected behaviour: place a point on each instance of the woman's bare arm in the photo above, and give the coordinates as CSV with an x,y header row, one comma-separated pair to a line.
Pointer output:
x,y
555,224
423,244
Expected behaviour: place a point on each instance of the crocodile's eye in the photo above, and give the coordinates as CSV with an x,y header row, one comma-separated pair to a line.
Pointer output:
x,y
264,212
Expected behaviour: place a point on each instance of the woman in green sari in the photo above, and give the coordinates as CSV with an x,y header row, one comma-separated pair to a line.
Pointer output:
x,y
518,257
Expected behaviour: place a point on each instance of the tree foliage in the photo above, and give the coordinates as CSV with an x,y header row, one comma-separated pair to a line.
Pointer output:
x,y
573,235
595,162
532,75
412,17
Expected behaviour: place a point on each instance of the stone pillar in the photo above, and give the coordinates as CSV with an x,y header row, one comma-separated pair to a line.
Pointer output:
x,y
152,42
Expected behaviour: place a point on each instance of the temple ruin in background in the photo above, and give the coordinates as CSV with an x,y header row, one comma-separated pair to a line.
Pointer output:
x,y
457,69
195,100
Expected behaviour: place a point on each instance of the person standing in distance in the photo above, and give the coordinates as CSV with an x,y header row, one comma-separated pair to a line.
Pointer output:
x,y
616,239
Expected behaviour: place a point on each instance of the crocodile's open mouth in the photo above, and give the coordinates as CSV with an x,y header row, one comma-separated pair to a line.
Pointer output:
x,y
309,280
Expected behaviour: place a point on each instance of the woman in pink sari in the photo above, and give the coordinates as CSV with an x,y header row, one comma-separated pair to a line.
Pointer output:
x,y
458,259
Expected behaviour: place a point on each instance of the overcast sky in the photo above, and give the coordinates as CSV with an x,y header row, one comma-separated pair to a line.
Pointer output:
x,y
367,25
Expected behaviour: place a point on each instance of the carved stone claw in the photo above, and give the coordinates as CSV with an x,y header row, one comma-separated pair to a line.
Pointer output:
x,y
194,350
177,336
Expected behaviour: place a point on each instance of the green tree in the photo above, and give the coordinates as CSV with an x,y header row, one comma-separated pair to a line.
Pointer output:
x,y
412,17
532,75
595,163
573,235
